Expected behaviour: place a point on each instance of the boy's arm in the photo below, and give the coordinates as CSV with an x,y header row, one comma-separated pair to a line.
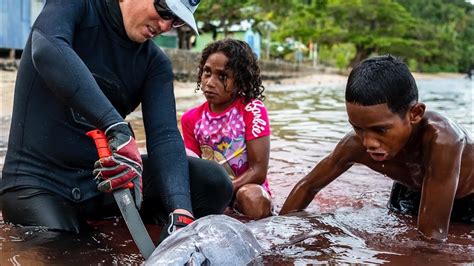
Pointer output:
x,y
258,154
439,186
333,165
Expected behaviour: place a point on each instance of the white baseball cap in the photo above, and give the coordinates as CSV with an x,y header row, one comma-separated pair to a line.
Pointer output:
x,y
184,9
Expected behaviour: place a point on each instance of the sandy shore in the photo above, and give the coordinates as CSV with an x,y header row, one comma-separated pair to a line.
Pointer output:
x,y
184,89
7,84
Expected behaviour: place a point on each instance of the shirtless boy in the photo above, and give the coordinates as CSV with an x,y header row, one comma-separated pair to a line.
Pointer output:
x,y
429,156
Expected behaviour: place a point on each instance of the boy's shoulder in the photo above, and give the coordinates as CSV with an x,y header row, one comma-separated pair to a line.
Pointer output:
x,y
447,146
350,149
439,129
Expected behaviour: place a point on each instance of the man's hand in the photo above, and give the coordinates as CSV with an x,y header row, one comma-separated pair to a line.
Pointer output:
x,y
124,167
175,222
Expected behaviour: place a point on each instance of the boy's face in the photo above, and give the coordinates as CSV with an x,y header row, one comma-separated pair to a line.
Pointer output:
x,y
216,83
382,132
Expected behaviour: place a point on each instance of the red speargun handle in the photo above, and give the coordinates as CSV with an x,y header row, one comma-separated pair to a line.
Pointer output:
x,y
102,146
101,143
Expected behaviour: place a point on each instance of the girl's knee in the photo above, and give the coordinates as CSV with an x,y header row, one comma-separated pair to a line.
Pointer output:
x,y
253,201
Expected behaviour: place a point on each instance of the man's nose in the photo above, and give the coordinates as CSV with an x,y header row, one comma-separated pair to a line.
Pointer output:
x,y
165,25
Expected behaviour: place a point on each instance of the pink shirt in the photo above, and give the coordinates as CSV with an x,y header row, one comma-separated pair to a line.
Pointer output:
x,y
222,137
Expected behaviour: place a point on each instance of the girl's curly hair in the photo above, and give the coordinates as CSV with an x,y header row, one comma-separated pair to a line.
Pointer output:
x,y
242,65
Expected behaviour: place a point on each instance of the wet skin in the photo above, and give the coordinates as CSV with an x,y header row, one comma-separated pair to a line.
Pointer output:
x,y
421,150
217,84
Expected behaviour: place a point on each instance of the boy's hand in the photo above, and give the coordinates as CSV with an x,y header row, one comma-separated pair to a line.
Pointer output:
x,y
124,166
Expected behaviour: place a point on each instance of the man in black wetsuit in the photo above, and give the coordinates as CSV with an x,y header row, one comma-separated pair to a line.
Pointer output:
x,y
88,64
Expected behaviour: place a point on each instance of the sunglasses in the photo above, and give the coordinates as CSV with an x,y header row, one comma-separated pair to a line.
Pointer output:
x,y
166,14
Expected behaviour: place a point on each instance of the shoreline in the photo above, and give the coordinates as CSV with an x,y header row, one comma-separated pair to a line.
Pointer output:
x,y
186,89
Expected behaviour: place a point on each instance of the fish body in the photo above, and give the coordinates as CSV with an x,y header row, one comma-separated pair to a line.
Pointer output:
x,y
211,240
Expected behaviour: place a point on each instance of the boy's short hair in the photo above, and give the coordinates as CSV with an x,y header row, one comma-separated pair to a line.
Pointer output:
x,y
382,79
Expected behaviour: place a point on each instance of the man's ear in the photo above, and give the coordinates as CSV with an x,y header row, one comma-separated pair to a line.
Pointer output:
x,y
416,112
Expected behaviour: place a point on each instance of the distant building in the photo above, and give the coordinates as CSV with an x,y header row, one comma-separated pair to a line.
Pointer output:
x,y
242,31
171,39
16,19
254,41
167,39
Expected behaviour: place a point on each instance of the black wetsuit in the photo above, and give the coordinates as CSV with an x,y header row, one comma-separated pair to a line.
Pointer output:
x,y
406,200
80,71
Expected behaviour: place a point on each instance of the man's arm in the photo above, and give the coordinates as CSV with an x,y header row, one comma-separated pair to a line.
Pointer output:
x,y
258,154
62,69
168,164
440,184
322,174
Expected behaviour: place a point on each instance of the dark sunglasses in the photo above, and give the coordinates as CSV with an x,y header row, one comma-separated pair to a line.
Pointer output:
x,y
166,14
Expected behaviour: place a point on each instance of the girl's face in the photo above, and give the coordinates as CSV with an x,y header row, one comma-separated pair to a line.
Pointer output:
x,y
216,84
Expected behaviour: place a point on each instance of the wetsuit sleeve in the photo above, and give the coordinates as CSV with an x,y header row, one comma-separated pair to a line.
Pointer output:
x,y
187,126
166,153
61,68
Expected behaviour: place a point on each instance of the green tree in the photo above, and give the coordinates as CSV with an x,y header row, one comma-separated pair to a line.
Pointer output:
x,y
374,26
451,32
222,14
434,35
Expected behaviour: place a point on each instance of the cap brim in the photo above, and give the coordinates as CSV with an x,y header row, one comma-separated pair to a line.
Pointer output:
x,y
181,11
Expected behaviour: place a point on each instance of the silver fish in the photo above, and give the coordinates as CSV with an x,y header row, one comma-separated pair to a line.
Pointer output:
x,y
211,240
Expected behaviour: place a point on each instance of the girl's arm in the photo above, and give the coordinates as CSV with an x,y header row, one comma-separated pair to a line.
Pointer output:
x,y
257,137
258,154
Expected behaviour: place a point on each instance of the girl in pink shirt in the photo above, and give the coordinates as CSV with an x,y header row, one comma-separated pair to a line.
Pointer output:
x,y
232,126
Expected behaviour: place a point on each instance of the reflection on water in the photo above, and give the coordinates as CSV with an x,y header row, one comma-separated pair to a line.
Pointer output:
x,y
107,243
348,221
453,99
310,238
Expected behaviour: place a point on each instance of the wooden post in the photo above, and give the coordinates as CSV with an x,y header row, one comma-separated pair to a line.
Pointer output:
x,y
11,54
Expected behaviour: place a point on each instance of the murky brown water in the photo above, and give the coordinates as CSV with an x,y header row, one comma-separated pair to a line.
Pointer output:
x,y
348,221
